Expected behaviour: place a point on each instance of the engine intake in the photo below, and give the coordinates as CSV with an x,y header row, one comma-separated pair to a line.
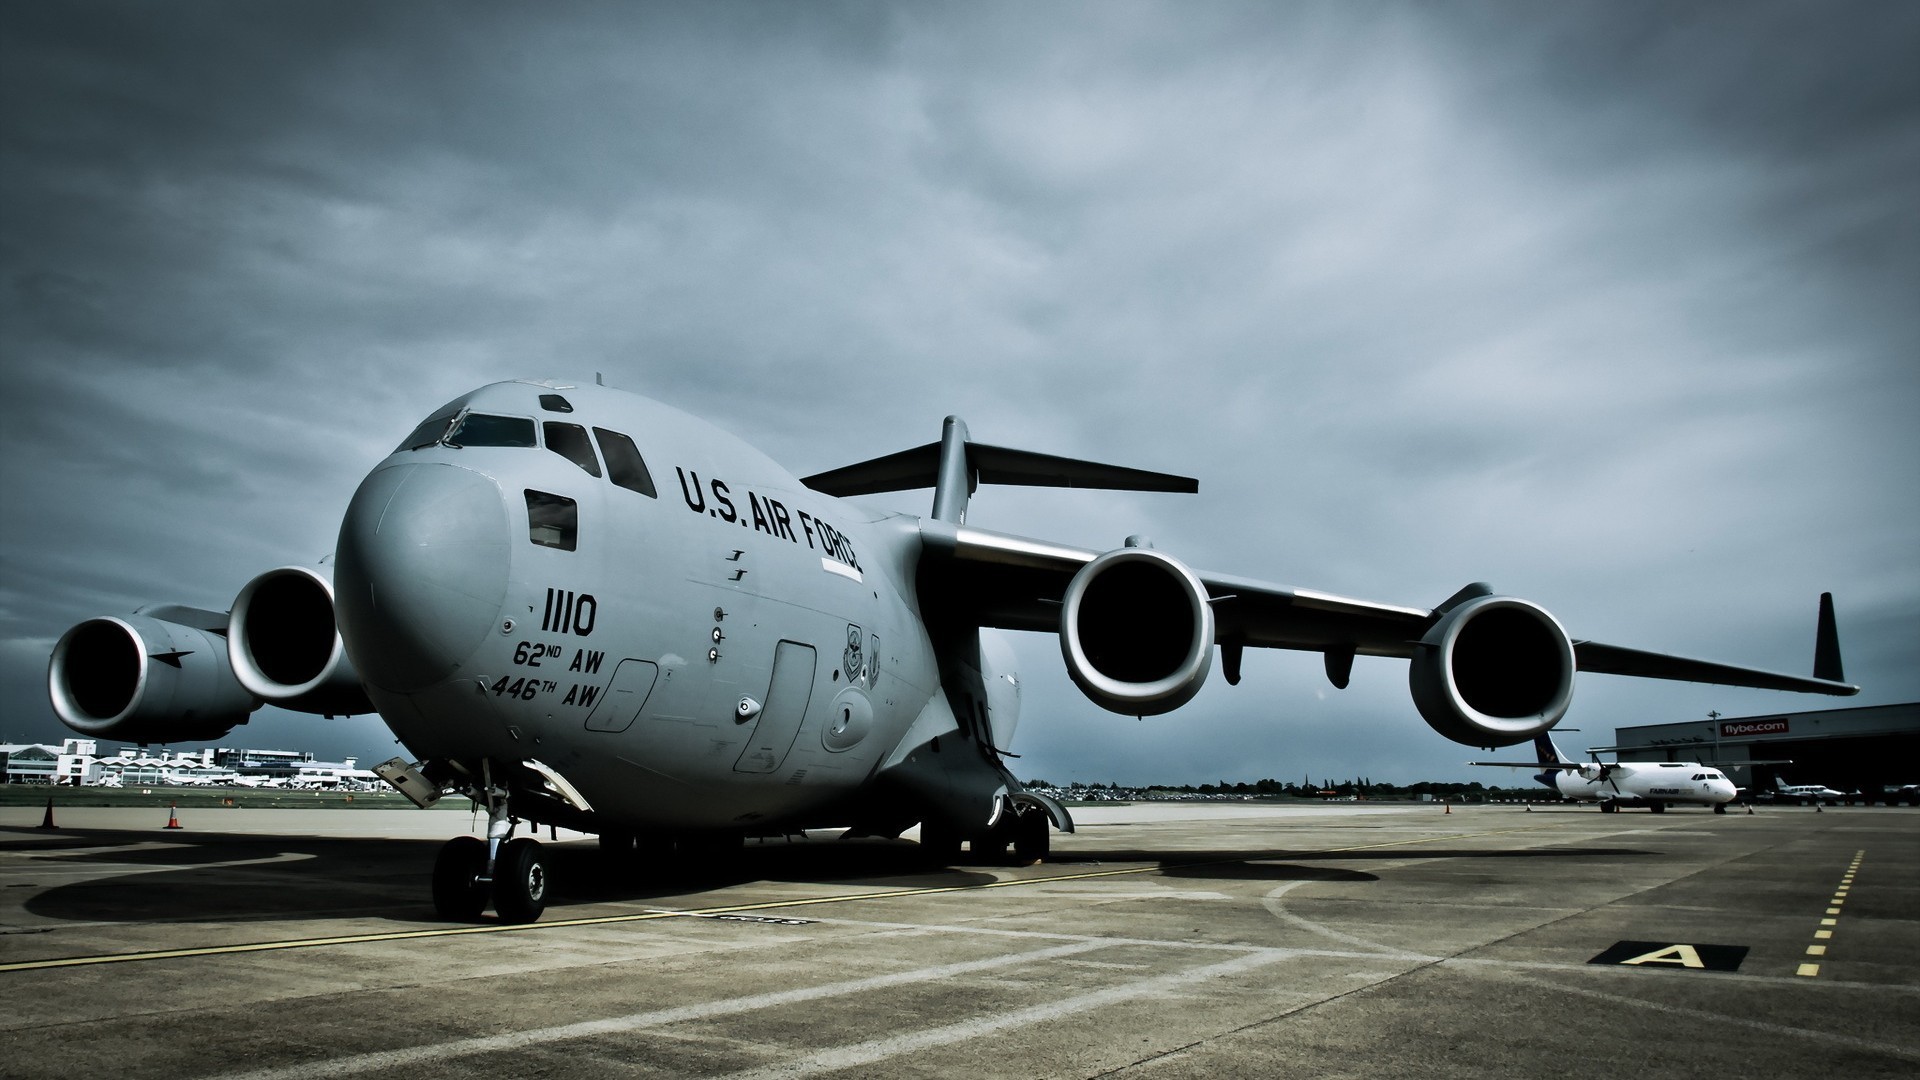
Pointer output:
x,y
284,644
1136,632
145,680
1494,671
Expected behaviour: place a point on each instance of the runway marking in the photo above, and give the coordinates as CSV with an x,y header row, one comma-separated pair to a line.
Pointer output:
x,y
1812,971
730,909
854,1055
516,1040
1274,902
1811,1034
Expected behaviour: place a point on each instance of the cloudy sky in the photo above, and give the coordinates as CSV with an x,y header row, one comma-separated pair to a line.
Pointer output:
x,y
1613,305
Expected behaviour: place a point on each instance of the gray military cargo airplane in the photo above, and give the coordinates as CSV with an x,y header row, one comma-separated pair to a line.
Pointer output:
x,y
581,608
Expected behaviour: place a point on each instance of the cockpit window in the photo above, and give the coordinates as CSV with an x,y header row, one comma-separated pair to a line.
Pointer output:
x,y
485,429
570,441
429,431
556,403
552,520
625,466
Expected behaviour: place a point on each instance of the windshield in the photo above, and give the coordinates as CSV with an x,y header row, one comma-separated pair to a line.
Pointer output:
x,y
484,429
429,431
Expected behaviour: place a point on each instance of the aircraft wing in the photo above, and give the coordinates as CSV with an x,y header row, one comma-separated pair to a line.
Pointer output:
x,y
1016,583
1614,660
1013,582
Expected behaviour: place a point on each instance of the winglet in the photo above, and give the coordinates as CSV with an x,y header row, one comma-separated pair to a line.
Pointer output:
x,y
1826,644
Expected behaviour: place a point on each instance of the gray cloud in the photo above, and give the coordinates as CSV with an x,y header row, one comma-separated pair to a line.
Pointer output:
x,y
1608,304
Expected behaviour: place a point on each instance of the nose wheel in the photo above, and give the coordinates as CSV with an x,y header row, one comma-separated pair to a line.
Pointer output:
x,y
511,872
517,887
519,882
459,893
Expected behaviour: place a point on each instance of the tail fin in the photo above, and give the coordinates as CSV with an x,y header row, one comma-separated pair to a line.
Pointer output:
x,y
1826,644
956,465
1544,749
1543,745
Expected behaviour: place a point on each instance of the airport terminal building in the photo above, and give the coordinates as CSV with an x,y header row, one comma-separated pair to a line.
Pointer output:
x,y
1867,750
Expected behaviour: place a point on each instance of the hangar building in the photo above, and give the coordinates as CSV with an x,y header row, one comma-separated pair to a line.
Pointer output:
x,y
1873,750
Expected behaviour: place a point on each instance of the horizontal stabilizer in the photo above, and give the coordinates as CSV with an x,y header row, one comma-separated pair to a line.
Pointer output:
x,y
955,459
920,468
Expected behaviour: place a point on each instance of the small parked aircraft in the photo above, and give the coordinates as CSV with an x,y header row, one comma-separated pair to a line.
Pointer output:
x,y
1807,793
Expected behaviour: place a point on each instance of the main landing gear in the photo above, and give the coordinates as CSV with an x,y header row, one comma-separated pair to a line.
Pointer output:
x,y
508,870
1028,831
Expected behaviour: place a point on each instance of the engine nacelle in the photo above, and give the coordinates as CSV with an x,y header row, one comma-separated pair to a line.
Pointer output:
x,y
284,644
146,680
1137,632
1494,671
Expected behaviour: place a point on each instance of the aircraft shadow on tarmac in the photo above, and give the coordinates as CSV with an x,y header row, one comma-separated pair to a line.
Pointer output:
x,y
1284,865
213,877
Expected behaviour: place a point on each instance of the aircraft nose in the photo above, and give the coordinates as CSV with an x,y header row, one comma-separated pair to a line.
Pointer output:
x,y
420,572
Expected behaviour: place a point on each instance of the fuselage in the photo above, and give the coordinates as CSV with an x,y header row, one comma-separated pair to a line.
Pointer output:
x,y
643,603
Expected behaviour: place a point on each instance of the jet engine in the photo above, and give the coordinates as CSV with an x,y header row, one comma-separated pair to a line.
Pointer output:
x,y
284,645
1494,671
147,679
1136,632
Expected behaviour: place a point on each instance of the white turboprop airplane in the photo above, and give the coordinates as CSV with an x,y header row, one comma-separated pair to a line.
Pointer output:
x,y
581,608
1807,793
1654,785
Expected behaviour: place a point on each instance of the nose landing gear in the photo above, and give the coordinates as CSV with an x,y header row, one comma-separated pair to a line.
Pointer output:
x,y
506,869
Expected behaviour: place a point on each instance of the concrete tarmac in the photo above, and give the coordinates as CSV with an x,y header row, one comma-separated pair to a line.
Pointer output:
x,y
1161,941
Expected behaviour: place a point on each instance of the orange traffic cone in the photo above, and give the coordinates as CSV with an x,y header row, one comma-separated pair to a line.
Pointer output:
x,y
173,817
47,822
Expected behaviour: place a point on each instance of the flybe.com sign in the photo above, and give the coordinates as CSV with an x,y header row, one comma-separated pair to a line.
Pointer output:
x,y
1736,728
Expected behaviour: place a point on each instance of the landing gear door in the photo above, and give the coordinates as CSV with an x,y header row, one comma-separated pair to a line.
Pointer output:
x,y
785,707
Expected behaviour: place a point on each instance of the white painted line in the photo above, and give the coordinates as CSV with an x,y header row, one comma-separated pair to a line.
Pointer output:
x,y
1908,1053
407,1057
855,1055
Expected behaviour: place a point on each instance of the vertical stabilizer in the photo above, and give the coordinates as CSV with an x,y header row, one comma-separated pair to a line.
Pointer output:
x,y
1826,644
953,484
1545,752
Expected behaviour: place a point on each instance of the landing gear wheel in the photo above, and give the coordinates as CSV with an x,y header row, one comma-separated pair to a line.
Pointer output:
x,y
1658,808
458,895
939,844
519,882
1719,808
711,855
1032,838
990,847
1609,808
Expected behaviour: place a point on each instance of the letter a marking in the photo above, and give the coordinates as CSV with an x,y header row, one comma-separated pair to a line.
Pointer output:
x,y
1682,955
